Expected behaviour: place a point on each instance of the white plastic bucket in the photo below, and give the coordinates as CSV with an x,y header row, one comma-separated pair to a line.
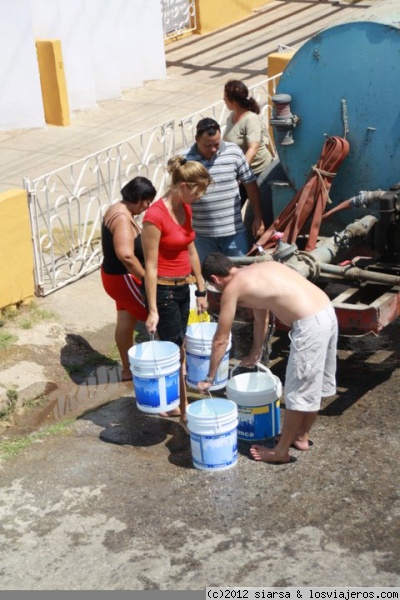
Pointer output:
x,y
199,338
257,396
155,368
212,424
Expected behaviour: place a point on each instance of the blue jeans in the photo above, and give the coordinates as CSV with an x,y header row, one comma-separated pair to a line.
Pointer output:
x,y
173,305
230,245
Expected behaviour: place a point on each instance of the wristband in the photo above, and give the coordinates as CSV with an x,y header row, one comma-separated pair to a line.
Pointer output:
x,y
209,379
200,294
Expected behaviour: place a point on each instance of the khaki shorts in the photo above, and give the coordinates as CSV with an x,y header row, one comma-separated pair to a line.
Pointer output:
x,y
311,368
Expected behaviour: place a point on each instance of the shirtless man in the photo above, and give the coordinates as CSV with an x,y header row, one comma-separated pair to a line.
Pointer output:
x,y
307,311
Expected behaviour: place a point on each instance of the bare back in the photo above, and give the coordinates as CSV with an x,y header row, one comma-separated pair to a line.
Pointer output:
x,y
277,287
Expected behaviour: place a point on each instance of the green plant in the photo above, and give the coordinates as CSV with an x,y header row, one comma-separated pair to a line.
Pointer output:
x,y
28,315
6,339
34,315
10,312
67,241
114,353
39,401
40,314
9,448
12,397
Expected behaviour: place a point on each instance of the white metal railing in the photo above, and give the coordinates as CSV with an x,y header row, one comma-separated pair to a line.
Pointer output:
x,y
178,17
66,206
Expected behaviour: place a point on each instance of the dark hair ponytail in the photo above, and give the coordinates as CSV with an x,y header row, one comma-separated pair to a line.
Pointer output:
x,y
237,91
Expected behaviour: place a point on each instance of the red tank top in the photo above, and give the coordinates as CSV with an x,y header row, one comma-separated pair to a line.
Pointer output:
x,y
173,255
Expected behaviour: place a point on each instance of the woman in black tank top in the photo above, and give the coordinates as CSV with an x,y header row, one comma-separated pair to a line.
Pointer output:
x,y
123,264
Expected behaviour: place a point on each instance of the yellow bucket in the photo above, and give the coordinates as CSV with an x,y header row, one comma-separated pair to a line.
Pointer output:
x,y
195,317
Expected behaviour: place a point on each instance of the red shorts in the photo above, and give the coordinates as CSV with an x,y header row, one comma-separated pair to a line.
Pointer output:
x,y
125,290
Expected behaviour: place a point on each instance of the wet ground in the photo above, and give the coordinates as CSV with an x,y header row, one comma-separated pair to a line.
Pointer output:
x,y
113,500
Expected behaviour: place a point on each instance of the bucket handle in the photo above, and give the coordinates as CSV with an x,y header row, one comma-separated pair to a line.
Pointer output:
x,y
262,367
156,367
258,365
217,425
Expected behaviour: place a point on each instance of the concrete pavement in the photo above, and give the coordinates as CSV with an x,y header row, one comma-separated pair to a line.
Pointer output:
x,y
112,501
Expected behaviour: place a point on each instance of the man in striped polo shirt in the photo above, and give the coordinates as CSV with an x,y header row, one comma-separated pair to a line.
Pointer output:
x,y
217,218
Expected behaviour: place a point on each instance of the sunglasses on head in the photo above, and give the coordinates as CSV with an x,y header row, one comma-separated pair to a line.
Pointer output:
x,y
211,130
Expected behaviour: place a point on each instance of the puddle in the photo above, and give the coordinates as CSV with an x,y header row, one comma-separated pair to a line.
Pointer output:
x,y
375,357
71,400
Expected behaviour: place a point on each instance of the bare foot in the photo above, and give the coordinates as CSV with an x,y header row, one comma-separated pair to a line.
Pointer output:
x,y
300,444
126,376
268,455
171,413
183,424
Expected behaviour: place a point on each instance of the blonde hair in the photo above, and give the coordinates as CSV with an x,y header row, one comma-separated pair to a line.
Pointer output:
x,y
188,171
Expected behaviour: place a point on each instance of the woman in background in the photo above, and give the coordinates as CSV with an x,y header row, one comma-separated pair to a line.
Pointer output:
x,y
171,259
122,269
245,128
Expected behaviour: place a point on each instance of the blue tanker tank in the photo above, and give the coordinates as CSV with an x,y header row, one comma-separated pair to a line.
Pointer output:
x,y
345,81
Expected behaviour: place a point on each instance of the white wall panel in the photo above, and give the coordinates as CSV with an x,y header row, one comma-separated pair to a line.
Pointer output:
x,y
21,103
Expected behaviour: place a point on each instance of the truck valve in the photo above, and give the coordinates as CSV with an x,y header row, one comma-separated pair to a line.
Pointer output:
x,y
283,120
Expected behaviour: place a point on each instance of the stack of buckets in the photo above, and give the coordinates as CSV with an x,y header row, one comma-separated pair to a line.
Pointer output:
x,y
251,411
212,422
257,396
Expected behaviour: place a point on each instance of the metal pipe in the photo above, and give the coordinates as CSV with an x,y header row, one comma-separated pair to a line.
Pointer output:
x,y
357,274
328,249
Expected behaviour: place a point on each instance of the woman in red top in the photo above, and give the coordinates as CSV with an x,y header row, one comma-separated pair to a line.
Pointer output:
x,y
171,258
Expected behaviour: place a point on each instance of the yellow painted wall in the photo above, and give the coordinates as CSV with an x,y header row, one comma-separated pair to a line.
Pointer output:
x,y
277,61
52,82
215,14
16,264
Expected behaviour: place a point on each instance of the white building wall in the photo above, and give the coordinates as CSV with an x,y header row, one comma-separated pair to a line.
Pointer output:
x,y
20,94
126,38
107,46
67,20
137,41
151,40
104,44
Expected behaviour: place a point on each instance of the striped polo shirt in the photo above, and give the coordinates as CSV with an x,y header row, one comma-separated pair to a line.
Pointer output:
x,y
218,212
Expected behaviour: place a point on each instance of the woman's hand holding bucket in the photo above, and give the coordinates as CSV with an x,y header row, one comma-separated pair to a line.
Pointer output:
x,y
152,322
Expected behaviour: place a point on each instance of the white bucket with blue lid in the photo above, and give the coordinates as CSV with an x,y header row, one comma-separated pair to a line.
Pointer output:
x,y
257,395
155,369
212,425
198,344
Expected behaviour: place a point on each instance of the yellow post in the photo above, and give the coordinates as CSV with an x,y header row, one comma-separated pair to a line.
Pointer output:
x,y
210,17
277,62
16,265
52,82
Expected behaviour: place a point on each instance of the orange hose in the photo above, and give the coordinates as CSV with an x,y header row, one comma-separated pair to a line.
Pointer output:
x,y
310,201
